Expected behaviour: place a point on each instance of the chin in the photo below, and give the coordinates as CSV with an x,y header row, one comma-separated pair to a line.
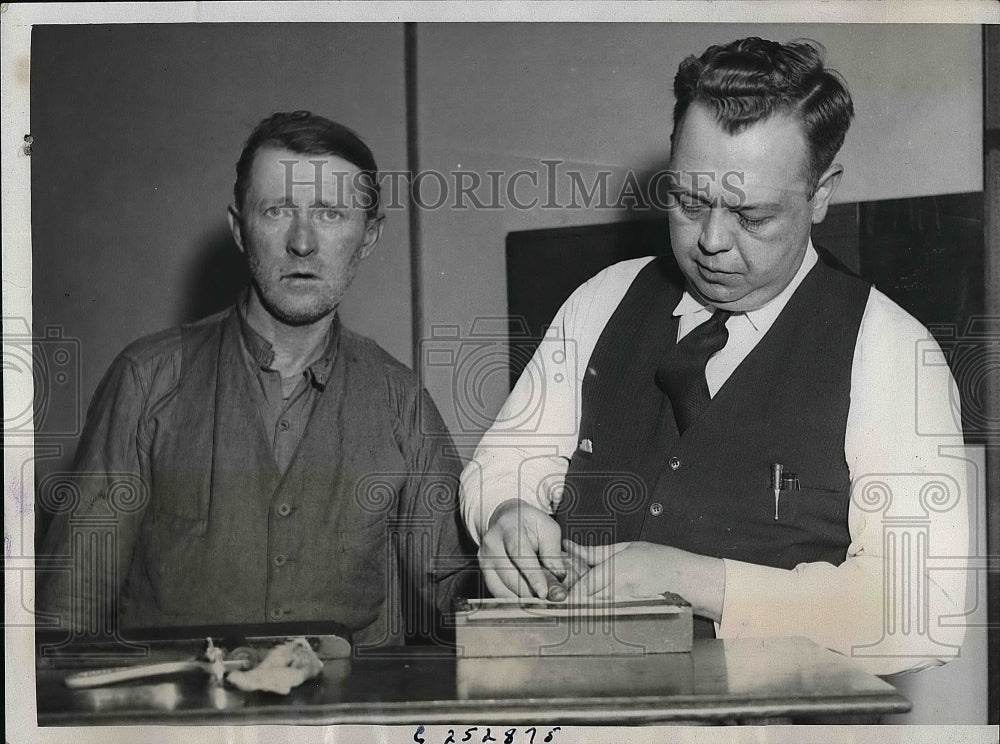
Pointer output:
x,y
712,292
302,319
300,313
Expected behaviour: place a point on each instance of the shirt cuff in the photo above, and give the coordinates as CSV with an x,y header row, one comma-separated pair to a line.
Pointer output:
x,y
837,607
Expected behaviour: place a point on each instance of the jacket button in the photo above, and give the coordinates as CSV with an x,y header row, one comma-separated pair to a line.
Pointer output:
x,y
279,560
674,463
276,613
284,510
283,425
656,509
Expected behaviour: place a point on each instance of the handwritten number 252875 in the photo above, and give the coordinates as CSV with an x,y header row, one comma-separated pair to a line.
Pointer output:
x,y
510,736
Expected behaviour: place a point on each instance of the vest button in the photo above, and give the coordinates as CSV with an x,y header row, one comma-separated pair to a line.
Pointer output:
x,y
279,560
674,463
283,425
276,613
656,509
284,510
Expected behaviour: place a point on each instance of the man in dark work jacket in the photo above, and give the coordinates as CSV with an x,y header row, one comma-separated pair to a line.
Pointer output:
x,y
266,464
805,365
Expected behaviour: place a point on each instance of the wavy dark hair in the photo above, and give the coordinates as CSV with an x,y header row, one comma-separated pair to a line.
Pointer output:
x,y
306,133
749,80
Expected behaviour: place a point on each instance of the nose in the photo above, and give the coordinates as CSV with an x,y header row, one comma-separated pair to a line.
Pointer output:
x,y
301,240
716,232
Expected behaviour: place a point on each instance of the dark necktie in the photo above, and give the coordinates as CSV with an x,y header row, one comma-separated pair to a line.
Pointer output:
x,y
682,375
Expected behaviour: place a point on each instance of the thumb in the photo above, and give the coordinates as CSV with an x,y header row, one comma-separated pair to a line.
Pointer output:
x,y
558,564
549,549
591,554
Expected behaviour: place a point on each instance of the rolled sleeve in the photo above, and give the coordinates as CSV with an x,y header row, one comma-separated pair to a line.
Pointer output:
x,y
897,601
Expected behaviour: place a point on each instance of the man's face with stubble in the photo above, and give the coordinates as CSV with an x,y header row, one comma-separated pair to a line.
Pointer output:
x,y
304,230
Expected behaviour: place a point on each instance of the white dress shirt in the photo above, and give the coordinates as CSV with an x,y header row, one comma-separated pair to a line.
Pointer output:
x,y
903,431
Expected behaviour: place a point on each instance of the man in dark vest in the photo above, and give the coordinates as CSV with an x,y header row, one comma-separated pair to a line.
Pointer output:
x,y
283,469
722,432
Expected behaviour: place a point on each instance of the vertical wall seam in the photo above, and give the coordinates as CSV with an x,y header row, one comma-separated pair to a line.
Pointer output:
x,y
413,211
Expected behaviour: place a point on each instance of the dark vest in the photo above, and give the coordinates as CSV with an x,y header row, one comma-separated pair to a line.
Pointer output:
x,y
709,490
222,515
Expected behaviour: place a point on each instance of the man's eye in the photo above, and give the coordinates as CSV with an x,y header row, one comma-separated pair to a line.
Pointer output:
x,y
752,225
691,207
272,212
330,215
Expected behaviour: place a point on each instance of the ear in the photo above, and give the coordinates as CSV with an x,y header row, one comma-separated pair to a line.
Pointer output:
x,y
373,231
827,184
236,226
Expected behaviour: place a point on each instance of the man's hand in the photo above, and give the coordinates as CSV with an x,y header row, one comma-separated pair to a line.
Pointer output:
x,y
520,546
629,570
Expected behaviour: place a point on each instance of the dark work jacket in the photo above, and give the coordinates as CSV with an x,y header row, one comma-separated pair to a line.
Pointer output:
x,y
709,490
361,530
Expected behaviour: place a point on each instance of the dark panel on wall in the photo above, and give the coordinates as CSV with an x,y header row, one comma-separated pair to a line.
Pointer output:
x,y
927,255
838,233
545,266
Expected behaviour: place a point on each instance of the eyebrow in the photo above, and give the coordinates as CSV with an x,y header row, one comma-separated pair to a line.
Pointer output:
x,y
687,192
760,205
739,207
286,201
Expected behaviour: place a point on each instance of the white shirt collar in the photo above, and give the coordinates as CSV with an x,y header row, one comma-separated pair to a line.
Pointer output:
x,y
763,317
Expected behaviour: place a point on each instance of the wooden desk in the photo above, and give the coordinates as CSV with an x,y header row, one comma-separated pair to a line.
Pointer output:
x,y
720,680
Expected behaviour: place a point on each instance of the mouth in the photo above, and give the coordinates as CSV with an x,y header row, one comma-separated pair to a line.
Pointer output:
x,y
710,273
300,276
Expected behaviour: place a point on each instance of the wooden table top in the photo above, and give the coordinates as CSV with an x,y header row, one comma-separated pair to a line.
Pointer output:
x,y
732,679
